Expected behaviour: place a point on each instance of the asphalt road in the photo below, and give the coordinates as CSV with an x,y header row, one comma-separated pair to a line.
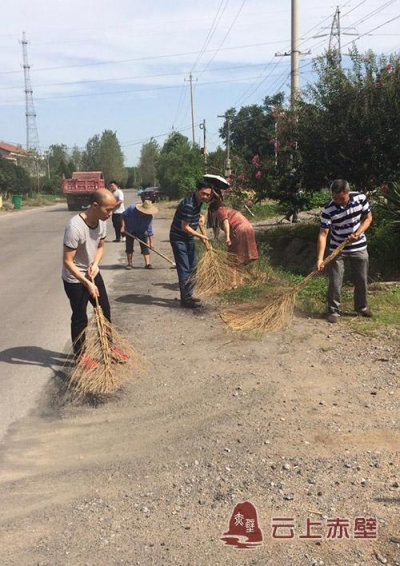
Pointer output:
x,y
34,310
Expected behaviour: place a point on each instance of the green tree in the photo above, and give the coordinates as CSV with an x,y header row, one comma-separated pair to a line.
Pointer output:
x,y
147,169
180,166
111,158
91,155
104,154
59,161
131,176
252,128
14,179
216,161
348,121
76,157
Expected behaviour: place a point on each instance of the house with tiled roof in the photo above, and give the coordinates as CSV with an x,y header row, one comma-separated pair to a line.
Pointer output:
x,y
12,152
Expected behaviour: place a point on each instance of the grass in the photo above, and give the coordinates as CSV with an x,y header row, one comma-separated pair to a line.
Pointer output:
x,y
383,300
268,209
34,199
41,199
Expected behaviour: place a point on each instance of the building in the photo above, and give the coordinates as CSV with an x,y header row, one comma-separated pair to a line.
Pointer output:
x,y
13,153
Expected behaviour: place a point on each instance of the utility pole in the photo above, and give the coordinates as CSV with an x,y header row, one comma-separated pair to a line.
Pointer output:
x,y
294,54
228,169
202,126
192,106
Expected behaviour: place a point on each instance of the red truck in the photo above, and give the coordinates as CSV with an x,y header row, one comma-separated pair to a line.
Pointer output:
x,y
79,189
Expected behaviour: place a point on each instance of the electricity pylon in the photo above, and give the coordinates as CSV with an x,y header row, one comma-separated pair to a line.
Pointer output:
x,y
32,137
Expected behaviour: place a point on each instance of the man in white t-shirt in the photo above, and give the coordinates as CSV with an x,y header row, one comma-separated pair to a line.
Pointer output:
x,y
118,210
84,238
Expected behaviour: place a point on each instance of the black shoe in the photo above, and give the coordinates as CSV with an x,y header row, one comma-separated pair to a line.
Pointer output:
x,y
365,312
190,304
149,266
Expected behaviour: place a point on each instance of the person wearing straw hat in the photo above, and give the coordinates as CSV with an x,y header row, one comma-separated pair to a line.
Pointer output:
x,y
83,250
182,234
137,219
347,217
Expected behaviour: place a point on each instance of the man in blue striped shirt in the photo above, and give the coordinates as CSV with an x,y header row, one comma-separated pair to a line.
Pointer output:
x,y
182,234
347,215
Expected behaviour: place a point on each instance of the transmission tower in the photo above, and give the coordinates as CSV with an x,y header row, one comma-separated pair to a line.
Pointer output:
x,y
334,38
32,137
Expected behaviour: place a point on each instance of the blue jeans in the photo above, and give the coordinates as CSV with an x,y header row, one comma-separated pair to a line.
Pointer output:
x,y
186,263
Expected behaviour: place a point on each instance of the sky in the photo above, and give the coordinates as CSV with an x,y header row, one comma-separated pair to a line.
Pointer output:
x,y
125,65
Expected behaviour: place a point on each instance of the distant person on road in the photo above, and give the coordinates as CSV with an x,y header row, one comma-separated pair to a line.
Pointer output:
x,y
293,212
137,219
239,232
182,234
118,210
347,215
83,250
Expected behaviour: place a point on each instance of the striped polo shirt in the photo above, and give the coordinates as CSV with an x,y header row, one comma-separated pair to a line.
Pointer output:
x,y
188,211
344,220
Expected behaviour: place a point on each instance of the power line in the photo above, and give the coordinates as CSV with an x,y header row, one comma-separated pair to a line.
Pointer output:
x,y
140,59
210,33
137,77
113,93
225,36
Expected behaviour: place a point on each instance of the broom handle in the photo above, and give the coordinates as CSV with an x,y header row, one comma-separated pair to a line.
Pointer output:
x,y
205,242
327,260
152,249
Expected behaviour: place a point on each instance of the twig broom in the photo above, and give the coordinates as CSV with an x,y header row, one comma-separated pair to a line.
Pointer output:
x,y
217,271
152,249
106,349
278,313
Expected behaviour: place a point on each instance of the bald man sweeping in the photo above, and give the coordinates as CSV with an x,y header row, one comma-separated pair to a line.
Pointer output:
x,y
83,250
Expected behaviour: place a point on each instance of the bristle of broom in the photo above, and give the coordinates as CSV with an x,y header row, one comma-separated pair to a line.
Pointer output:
x,y
218,271
109,376
278,313
256,317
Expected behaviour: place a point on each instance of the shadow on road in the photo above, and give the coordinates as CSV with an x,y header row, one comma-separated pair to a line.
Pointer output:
x,y
34,355
148,300
170,286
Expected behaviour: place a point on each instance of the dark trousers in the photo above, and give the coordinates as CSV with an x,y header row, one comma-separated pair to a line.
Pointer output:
x,y
145,250
186,262
79,298
117,223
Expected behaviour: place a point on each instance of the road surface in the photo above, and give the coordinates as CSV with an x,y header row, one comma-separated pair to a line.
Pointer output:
x,y
34,311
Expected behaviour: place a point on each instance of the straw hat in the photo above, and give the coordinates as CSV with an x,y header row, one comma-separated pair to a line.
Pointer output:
x,y
147,207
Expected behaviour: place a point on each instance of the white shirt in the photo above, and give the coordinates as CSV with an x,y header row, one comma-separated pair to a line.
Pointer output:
x,y
119,195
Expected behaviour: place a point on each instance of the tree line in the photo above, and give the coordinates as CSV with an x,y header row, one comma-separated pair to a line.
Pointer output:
x,y
345,124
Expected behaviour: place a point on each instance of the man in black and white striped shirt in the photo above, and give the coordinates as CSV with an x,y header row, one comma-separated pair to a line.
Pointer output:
x,y
347,215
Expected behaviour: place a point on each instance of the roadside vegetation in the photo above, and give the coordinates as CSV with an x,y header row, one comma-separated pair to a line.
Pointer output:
x,y
345,125
384,288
